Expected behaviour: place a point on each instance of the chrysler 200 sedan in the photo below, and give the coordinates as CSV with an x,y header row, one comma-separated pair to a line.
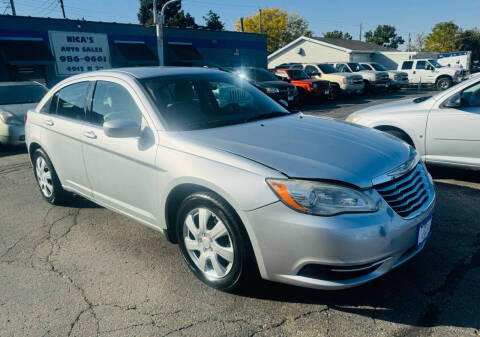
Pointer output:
x,y
242,185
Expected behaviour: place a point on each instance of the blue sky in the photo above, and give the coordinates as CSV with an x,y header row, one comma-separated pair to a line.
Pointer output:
x,y
323,15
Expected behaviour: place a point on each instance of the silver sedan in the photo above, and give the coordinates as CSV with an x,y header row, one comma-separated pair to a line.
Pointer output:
x,y
242,185
444,129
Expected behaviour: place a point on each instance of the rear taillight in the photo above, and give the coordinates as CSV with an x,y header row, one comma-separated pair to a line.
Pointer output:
x,y
25,118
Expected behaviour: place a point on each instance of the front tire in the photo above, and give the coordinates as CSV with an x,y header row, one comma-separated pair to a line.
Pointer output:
x,y
47,179
214,242
443,83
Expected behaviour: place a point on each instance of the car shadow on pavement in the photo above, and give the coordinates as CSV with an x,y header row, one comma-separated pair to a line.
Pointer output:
x,y
12,150
438,287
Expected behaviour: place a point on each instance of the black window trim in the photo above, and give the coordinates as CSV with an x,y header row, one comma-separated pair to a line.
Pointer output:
x,y
56,115
442,105
91,96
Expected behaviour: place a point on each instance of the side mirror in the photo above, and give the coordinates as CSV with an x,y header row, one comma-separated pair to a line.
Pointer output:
x,y
121,128
453,102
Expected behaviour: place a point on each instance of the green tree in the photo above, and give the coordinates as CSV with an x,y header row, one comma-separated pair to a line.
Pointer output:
x,y
280,26
444,38
337,34
212,21
174,16
471,41
384,35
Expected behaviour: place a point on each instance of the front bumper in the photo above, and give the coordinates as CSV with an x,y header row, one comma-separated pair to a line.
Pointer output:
x,y
398,84
458,79
366,245
354,88
12,134
381,84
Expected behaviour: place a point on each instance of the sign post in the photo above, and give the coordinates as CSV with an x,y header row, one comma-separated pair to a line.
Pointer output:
x,y
159,22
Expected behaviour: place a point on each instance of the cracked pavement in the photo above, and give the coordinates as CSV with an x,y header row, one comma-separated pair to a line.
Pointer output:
x,y
83,270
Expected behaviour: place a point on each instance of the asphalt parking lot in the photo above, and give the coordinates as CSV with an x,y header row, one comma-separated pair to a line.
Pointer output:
x,y
83,270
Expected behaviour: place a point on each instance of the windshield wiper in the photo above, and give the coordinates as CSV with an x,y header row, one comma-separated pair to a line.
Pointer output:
x,y
265,116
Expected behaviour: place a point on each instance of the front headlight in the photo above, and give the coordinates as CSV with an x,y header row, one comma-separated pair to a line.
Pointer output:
x,y
272,90
321,198
353,118
9,118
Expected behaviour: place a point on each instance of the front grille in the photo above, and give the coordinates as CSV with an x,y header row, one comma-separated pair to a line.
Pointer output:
x,y
408,194
357,80
383,78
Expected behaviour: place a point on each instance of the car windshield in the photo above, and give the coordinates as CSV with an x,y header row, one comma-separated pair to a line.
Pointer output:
x,y
378,66
298,74
203,101
327,68
435,64
21,94
356,67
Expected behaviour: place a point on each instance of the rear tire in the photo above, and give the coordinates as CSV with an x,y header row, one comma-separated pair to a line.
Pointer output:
x,y
214,243
47,179
443,83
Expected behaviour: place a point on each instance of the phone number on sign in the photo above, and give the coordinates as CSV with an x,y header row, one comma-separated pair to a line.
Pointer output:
x,y
84,59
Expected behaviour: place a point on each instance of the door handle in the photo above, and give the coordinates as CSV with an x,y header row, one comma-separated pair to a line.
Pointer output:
x,y
49,122
90,134
414,72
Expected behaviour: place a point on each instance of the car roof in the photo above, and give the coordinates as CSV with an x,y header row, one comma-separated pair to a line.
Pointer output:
x,y
147,72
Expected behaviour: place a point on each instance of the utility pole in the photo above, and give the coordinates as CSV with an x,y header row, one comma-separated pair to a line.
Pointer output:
x,y
260,21
241,24
409,46
159,22
12,6
63,8
360,35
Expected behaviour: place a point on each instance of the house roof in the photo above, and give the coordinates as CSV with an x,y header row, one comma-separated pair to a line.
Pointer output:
x,y
347,46
353,45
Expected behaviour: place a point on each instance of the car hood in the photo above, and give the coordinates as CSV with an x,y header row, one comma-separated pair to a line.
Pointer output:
x,y
19,110
275,84
396,106
307,147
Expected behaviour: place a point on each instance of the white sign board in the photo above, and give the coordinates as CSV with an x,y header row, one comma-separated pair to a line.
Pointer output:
x,y
77,52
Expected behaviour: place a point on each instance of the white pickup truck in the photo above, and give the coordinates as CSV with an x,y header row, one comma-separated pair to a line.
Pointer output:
x,y
398,79
430,72
373,79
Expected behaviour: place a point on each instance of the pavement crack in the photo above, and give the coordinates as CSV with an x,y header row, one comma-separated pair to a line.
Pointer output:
x,y
9,249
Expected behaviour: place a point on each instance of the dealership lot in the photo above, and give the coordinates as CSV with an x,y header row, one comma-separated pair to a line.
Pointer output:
x,y
83,270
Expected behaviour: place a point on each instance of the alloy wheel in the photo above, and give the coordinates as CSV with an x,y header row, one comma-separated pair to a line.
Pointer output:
x,y
208,243
44,177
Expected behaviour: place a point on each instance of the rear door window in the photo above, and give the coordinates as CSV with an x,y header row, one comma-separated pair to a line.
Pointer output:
x,y
69,101
420,65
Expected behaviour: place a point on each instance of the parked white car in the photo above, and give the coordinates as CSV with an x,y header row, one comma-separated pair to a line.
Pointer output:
x,y
16,98
398,79
444,129
372,78
430,72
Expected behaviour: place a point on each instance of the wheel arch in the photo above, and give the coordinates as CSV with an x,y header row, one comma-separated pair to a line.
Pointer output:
x,y
386,128
181,191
